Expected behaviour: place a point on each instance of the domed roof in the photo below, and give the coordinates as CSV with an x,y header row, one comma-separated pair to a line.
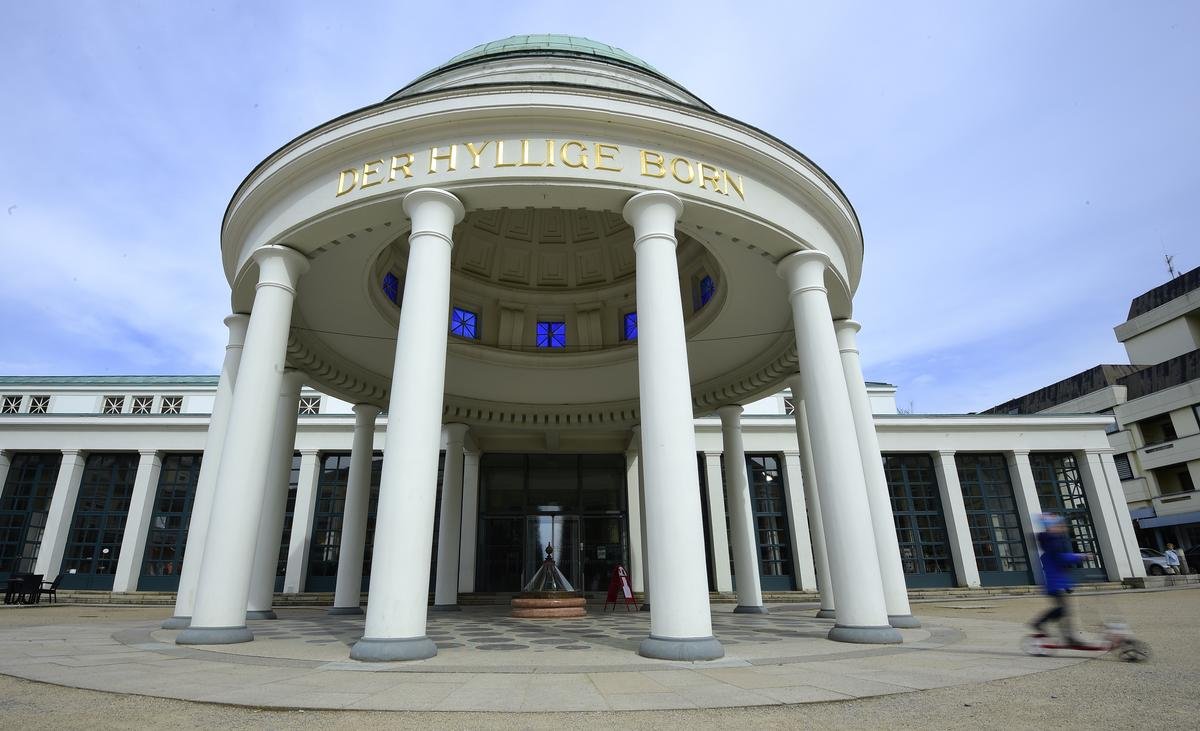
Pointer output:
x,y
550,44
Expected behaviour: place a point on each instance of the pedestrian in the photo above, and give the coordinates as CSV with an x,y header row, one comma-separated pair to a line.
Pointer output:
x,y
1173,566
1057,562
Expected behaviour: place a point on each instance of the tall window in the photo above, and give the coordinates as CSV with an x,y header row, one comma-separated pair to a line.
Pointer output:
x,y
770,521
1060,491
630,325
464,323
24,505
90,559
552,334
920,525
288,515
993,520
169,525
391,287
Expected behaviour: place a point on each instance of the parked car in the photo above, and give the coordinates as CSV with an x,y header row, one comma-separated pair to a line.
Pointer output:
x,y
1155,562
1192,556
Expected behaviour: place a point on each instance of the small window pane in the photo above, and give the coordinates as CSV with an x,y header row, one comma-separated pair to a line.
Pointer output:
x,y
552,335
464,323
630,328
391,287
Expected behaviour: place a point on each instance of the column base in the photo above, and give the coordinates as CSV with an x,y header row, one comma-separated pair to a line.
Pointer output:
x,y
213,636
392,649
826,614
645,607
681,648
344,610
741,609
445,608
261,614
904,621
176,622
885,635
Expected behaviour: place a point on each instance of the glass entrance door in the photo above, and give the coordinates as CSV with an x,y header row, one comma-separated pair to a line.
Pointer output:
x,y
560,532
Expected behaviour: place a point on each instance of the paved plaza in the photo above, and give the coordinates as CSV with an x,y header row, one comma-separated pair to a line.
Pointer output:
x,y
777,668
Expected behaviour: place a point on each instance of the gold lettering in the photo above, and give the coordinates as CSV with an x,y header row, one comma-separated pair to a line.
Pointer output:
x,y
736,186
400,164
525,161
656,160
500,156
343,189
549,153
450,158
579,162
369,169
714,177
691,174
606,153
475,153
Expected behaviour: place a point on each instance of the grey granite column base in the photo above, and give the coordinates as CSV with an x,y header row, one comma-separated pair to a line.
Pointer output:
x,y
885,635
904,621
261,614
213,636
445,608
176,623
681,648
825,614
391,649
740,609
344,610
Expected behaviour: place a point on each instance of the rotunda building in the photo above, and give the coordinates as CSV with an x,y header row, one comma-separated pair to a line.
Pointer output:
x,y
548,253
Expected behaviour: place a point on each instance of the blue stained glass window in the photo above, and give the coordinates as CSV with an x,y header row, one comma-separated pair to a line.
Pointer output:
x,y
631,325
707,289
391,287
464,323
552,334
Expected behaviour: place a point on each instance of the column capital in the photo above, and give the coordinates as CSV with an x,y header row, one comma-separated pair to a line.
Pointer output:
x,y
433,212
309,452
730,411
237,324
1018,452
152,453
847,335
456,432
293,380
652,212
947,453
73,453
279,266
366,410
804,271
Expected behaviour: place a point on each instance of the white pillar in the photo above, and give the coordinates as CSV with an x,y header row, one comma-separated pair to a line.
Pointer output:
x,y
445,590
681,621
219,616
351,550
812,499
206,482
470,522
58,517
633,498
1104,519
1029,507
962,548
883,523
300,539
797,510
279,471
741,514
845,509
137,521
715,492
1116,495
396,611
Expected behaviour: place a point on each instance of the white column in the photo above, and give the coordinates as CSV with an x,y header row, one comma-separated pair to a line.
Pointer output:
x,y
962,548
58,517
715,492
797,510
219,616
1116,495
396,611
887,547
270,527
300,539
812,499
1029,507
445,590
681,622
206,482
633,498
347,593
470,522
845,510
137,521
741,514
1104,519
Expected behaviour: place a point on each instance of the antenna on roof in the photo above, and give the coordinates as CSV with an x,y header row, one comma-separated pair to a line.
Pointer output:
x,y
1171,265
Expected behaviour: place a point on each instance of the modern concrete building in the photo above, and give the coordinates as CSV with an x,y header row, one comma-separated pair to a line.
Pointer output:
x,y
565,278
1155,403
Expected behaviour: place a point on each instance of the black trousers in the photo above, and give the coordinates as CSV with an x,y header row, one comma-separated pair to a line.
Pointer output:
x,y
1060,613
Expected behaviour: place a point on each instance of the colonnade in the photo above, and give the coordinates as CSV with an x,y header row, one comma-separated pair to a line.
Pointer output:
x,y
244,477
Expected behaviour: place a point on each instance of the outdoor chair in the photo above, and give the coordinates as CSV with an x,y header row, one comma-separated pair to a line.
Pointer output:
x,y
50,588
31,589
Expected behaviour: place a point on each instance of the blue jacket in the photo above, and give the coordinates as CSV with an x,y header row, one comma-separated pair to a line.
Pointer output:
x,y
1057,561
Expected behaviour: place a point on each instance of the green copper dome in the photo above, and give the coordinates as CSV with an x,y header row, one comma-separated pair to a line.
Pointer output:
x,y
550,43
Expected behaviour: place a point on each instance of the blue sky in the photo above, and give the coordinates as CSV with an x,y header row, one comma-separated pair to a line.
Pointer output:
x,y
1019,168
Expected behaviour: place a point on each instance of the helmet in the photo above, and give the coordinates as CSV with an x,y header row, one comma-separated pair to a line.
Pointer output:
x,y
1051,521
